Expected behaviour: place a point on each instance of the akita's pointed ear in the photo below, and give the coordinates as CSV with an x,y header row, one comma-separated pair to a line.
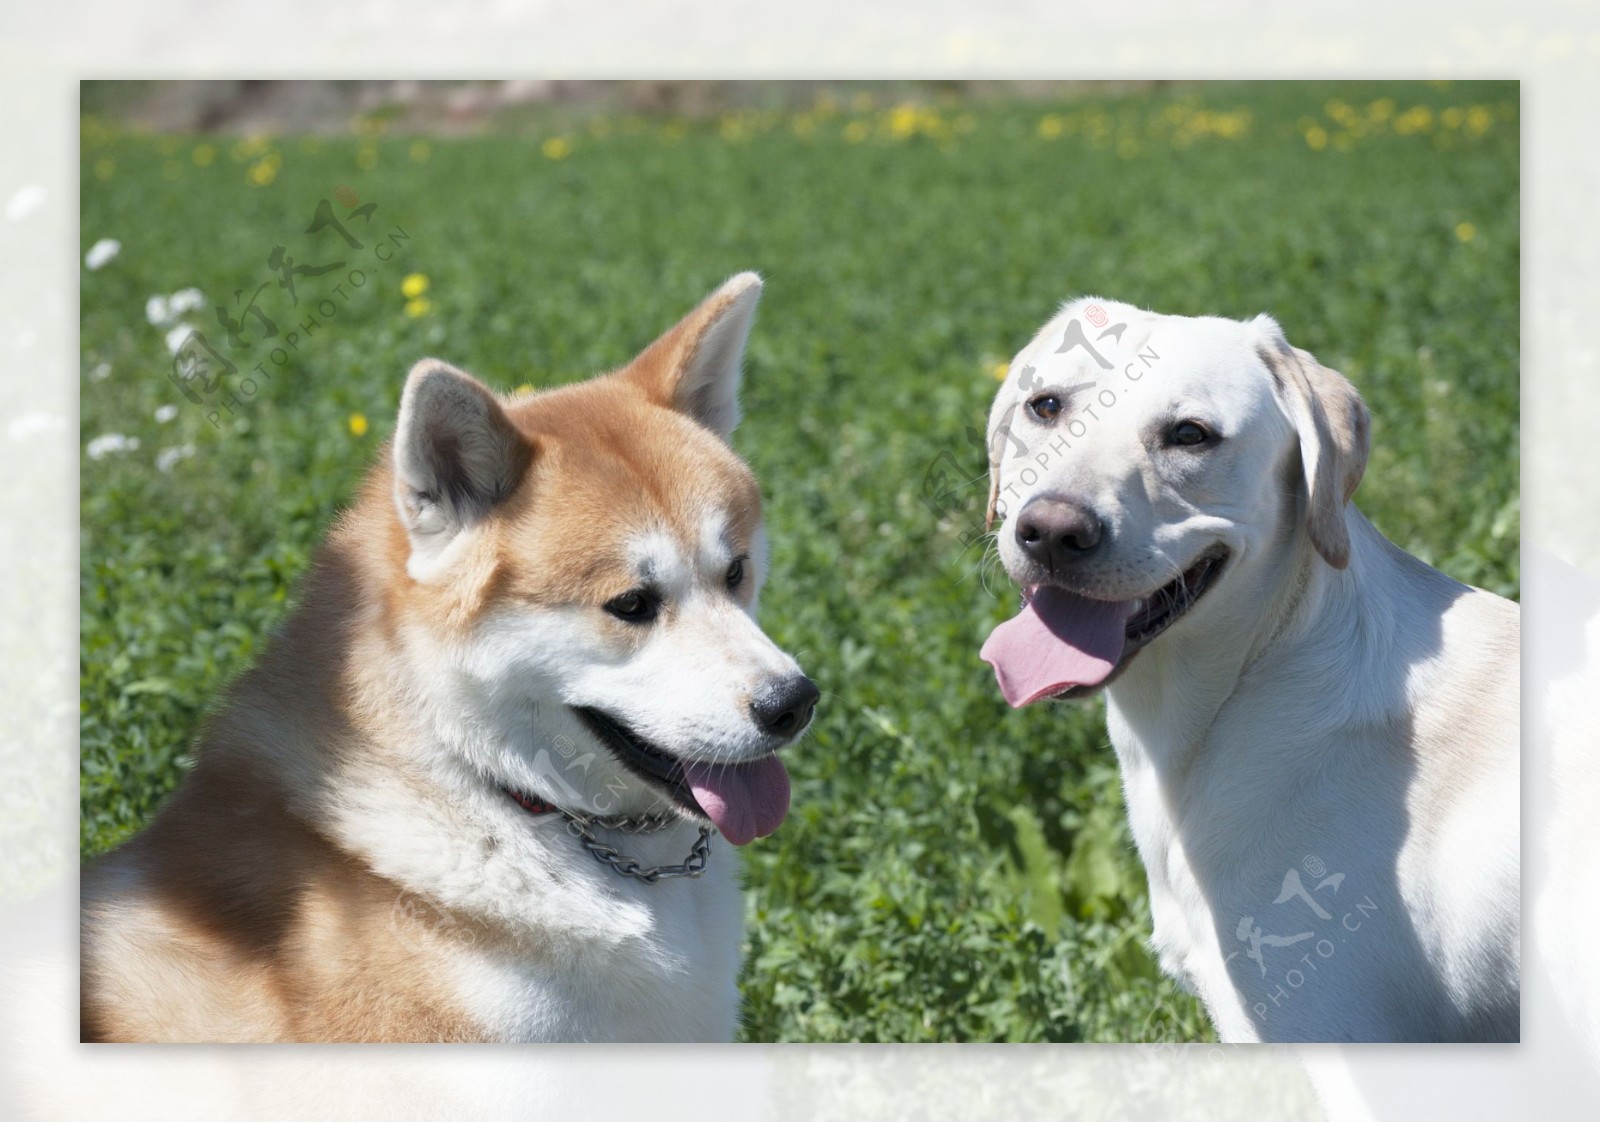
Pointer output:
x,y
695,367
456,455
1334,430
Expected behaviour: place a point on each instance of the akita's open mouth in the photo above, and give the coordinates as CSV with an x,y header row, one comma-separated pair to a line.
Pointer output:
x,y
746,800
1064,645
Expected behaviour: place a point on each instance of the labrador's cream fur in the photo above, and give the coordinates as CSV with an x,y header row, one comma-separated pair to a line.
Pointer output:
x,y
1320,757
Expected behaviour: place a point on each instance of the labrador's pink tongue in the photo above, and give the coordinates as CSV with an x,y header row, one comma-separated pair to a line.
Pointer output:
x,y
746,801
1058,640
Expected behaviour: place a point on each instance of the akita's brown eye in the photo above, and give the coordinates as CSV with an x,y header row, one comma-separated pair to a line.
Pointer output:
x,y
1046,407
735,573
638,606
1188,433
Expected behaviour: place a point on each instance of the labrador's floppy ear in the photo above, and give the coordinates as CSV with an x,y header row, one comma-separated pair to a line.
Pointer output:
x,y
695,367
1334,430
456,455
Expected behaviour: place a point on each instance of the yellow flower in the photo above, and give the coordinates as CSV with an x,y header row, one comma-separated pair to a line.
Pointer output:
x,y
203,154
999,371
856,132
1465,231
1479,119
1232,125
414,285
418,307
903,120
1417,119
556,148
525,388
1317,137
358,424
1051,126
1339,111
264,170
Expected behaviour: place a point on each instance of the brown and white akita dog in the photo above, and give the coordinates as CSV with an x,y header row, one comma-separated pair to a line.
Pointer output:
x,y
466,793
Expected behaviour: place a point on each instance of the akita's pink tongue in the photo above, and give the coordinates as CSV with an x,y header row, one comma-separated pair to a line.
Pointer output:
x,y
746,801
1058,640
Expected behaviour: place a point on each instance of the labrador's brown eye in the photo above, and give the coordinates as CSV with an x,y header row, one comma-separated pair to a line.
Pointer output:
x,y
637,606
1188,433
1046,407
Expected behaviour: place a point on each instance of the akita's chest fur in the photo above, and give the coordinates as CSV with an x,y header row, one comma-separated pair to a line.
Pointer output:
x,y
676,981
323,949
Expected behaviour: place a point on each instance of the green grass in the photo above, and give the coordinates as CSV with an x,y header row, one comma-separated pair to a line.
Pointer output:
x,y
952,870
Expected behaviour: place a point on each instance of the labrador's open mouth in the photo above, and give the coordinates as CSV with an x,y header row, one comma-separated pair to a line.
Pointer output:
x,y
1157,612
745,799
1065,645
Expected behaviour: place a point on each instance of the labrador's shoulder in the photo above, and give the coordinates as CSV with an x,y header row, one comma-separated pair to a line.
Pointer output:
x,y
1482,636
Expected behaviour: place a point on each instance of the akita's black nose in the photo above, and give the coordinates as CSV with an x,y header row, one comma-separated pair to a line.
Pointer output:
x,y
782,706
1055,531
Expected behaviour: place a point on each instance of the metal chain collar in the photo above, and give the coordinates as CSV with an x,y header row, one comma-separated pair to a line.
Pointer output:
x,y
581,828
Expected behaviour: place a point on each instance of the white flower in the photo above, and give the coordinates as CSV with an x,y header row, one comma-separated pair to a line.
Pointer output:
x,y
102,253
176,336
167,457
101,372
186,300
163,311
166,413
107,443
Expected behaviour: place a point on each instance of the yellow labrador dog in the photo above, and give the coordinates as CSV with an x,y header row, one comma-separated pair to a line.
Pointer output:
x,y
1317,732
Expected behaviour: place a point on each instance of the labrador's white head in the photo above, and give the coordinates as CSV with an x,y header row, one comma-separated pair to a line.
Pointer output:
x,y
1146,471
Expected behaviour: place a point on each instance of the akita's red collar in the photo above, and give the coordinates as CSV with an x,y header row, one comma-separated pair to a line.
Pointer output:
x,y
532,804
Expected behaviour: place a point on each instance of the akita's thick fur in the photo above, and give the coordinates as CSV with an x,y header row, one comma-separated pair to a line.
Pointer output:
x,y
544,599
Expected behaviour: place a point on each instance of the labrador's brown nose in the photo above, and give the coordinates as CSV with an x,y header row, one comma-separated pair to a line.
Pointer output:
x,y
1055,531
